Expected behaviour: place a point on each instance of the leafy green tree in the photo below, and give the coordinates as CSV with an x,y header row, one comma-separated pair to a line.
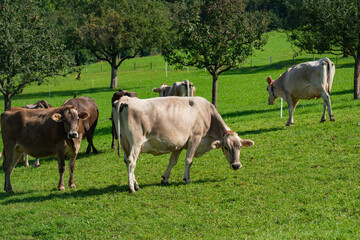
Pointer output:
x,y
29,51
330,26
123,32
214,34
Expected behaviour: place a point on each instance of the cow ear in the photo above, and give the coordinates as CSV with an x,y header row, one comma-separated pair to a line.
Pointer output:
x,y
84,115
269,80
246,142
57,117
157,90
216,144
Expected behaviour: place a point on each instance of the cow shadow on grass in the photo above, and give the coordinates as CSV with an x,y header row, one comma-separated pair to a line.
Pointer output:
x,y
55,194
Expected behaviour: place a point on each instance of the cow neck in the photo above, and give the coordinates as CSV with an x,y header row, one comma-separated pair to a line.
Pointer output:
x,y
219,126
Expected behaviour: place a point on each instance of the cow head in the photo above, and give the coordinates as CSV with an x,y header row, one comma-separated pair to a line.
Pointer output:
x,y
161,90
231,145
270,89
71,119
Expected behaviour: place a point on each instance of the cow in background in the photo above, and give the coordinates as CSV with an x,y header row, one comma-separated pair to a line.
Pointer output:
x,y
37,105
87,104
304,81
181,89
117,96
169,125
42,133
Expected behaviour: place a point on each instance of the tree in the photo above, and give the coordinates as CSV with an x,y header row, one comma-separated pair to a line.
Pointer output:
x,y
123,32
214,34
29,51
330,26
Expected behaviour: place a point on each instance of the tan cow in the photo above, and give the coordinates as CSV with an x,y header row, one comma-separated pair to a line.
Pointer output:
x,y
42,133
181,89
304,81
171,124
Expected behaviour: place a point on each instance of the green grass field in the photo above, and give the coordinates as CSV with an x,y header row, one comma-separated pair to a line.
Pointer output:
x,y
299,182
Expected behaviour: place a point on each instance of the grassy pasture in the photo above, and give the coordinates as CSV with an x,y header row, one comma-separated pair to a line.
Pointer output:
x,y
296,182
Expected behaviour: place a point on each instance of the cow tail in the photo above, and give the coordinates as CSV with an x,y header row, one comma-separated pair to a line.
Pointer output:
x,y
329,74
187,87
116,119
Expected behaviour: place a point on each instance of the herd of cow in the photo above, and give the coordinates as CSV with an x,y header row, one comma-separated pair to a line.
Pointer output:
x,y
143,125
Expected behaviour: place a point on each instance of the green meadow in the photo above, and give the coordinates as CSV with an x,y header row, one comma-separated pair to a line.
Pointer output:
x,y
298,182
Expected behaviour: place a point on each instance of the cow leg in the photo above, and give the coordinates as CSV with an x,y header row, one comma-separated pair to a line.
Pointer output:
x,y
71,169
8,166
89,138
172,162
131,164
61,166
290,101
112,132
327,103
192,147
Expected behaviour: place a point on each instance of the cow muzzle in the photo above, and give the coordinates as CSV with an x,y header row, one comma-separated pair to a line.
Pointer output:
x,y
72,135
235,166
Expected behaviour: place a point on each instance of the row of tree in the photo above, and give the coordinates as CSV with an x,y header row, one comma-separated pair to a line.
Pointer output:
x,y
44,38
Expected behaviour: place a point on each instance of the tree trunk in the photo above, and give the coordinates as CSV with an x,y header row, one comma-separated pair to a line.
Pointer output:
x,y
114,68
357,78
7,101
214,90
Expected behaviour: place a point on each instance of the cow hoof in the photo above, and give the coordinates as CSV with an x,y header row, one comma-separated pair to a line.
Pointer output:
x,y
62,188
72,185
322,120
10,191
165,182
131,190
35,165
187,181
332,118
137,188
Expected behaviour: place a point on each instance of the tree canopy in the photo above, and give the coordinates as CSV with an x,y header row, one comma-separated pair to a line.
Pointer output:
x,y
330,26
214,34
29,50
123,32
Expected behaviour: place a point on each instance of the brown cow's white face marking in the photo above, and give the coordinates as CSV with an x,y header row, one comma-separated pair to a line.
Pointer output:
x,y
71,119
231,145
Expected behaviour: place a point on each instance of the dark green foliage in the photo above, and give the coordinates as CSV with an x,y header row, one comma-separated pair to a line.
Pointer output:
x,y
216,35
29,51
330,26
124,32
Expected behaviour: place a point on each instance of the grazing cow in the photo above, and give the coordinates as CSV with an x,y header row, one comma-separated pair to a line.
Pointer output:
x,y
87,104
171,124
42,133
181,89
304,81
117,96
37,105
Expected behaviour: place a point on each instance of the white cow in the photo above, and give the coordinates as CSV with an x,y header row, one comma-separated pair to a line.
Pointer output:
x,y
304,81
171,124
181,89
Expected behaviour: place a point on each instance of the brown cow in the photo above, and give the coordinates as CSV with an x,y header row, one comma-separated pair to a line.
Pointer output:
x,y
42,133
117,96
37,105
87,104
181,89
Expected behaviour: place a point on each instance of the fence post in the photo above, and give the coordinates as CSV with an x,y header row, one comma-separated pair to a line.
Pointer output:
x,y
313,57
166,67
150,65
134,66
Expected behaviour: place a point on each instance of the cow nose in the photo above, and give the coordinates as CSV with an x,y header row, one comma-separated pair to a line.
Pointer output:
x,y
236,166
73,135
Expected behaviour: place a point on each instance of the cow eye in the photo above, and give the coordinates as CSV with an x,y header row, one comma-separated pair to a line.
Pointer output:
x,y
226,148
